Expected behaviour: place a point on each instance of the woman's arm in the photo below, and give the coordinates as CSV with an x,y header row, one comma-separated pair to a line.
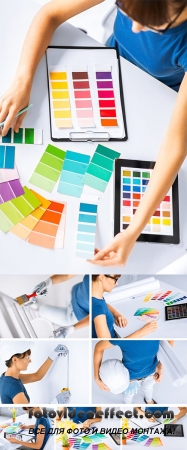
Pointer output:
x,y
61,278
35,445
82,323
146,329
36,376
170,158
120,320
20,398
98,356
37,40
101,327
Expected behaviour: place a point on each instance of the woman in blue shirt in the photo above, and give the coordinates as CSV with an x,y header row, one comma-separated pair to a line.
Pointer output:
x,y
104,315
153,35
41,431
72,317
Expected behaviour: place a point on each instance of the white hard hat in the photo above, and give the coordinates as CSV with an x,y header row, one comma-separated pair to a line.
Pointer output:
x,y
115,375
8,349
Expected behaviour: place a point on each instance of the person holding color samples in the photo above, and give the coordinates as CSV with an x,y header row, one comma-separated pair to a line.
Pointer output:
x,y
75,315
142,29
17,358
139,359
41,430
104,315
182,412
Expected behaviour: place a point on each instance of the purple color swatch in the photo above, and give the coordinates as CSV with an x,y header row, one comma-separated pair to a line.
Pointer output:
x,y
10,190
104,85
103,75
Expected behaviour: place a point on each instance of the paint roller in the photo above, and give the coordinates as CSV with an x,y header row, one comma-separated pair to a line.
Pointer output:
x,y
26,299
133,289
177,370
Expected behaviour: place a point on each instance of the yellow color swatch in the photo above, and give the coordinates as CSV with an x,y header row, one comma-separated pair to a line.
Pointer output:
x,y
148,296
166,222
62,114
126,173
61,104
58,76
59,85
126,219
63,123
60,94
155,221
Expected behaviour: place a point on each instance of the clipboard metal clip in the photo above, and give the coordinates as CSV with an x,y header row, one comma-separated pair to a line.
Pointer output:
x,y
89,136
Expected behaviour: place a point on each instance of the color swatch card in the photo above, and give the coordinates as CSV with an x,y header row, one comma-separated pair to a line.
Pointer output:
x,y
154,442
85,95
101,167
10,190
24,228
139,437
7,156
50,229
169,302
74,168
101,446
131,181
12,212
24,136
147,314
8,175
49,168
86,232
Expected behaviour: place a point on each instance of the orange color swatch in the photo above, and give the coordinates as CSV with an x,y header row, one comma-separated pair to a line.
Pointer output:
x,y
49,231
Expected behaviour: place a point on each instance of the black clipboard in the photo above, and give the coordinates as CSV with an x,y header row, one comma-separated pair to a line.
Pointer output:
x,y
121,97
157,238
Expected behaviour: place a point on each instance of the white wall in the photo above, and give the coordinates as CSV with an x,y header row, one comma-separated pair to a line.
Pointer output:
x,y
45,391
164,392
178,281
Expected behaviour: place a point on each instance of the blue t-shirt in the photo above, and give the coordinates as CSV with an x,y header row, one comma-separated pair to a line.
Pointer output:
x,y
156,408
84,416
99,306
139,357
162,56
46,422
80,298
10,387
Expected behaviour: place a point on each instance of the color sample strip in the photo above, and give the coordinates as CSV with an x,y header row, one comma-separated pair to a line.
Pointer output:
x,y
49,231
156,296
163,296
10,190
24,228
24,136
74,168
139,438
60,99
8,175
83,446
100,169
48,169
133,186
106,98
168,303
7,157
83,101
86,230
154,442
15,210
147,298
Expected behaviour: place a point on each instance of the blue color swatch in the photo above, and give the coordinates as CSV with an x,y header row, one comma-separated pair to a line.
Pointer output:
x,y
7,157
74,168
86,230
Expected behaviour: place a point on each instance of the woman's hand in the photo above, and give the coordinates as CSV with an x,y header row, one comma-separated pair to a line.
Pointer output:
x,y
116,254
13,100
101,385
158,373
149,328
23,427
13,440
87,423
121,321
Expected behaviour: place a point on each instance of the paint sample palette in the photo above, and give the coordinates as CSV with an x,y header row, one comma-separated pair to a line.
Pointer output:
x,y
176,312
100,446
24,228
50,229
131,180
24,136
7,156
94,438
169,302
10,190
85,96
8,175
85,242
101,167
147,314
12,212
74,168
139,438
154,442
75,442
49,168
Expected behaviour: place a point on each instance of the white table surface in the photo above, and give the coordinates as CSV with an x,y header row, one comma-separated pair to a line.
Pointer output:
x,y
166,329
170,443
148,106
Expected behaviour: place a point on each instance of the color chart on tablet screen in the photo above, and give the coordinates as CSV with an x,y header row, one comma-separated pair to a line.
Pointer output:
x,y
133,186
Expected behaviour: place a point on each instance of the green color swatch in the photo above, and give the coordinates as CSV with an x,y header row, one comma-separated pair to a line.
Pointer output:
x,y
13,211
29,135
18,137
100,169
145,175
49,168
